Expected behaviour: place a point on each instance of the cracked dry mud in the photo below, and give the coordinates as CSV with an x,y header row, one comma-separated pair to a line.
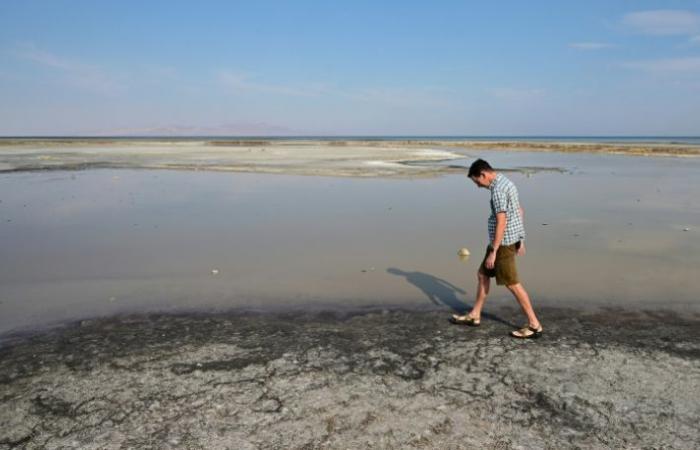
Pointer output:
x,y
377,379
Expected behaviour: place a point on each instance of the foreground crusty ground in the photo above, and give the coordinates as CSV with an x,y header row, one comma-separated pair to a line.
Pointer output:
x,y
381,379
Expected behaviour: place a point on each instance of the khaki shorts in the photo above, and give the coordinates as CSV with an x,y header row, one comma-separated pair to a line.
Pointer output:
x,y
504,270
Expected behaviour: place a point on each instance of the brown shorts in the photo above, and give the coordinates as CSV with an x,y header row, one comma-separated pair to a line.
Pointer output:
x,y
504,270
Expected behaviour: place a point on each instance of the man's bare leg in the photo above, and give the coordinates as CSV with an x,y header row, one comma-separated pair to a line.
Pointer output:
x,y
481,293
521,296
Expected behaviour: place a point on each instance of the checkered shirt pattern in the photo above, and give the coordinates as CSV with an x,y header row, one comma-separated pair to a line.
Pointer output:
x,y
504,198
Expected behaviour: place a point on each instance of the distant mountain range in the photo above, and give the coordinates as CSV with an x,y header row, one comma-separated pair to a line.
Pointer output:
x,y
229,129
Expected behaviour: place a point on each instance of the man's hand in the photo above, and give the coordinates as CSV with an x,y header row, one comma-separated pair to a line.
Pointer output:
x,y
521,250
491,260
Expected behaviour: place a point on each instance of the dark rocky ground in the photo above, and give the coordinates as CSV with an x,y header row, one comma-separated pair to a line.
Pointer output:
x,y
381,379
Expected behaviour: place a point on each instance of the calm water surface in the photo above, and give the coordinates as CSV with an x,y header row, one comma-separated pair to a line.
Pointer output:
x,y
609,231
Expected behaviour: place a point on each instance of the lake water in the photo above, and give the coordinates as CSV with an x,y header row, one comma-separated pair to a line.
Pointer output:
x,y
606,231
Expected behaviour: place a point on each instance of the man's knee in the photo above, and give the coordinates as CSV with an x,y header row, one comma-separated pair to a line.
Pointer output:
x,y
514,287
483,278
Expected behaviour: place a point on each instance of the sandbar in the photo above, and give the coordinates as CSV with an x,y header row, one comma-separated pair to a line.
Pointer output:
x,y
353,158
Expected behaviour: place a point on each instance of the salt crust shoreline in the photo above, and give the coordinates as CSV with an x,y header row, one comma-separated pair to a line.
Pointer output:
x,y
369,158
372,379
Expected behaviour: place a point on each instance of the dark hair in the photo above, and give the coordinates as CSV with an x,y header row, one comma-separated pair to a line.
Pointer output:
x,y
478,167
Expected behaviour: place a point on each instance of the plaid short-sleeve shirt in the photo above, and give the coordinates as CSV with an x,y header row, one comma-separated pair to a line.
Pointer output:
x,y
504,198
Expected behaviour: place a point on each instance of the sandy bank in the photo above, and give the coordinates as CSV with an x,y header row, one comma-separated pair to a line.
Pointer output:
x,y
631,149
373,380
301,158
304,157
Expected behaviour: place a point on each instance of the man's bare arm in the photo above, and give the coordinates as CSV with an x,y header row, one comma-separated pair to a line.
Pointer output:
x,y
521,250
501,221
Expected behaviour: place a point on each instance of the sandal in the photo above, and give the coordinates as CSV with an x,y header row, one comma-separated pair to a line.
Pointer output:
x,y
465,320
527,332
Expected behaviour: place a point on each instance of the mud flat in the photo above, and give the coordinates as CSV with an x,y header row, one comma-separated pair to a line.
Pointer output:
x,y
299,158
372,379
611,148
365,158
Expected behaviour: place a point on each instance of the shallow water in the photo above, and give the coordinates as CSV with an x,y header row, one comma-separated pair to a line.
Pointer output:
x,y
85,243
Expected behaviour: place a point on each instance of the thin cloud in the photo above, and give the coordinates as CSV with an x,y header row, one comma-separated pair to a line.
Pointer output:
x,y
424,97
591,45
516,94
689,64
695,40
663,22
80,74
241,83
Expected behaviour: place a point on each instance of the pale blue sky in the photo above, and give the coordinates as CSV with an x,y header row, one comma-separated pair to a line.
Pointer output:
x,y
350,68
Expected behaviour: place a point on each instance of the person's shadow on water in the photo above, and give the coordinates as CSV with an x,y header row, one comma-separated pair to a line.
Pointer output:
x,y
441,292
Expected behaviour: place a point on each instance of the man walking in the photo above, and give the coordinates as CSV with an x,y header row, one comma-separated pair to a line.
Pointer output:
x,y
506,236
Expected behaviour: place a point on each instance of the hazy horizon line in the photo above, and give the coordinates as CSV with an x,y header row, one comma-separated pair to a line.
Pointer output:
x,y
296,136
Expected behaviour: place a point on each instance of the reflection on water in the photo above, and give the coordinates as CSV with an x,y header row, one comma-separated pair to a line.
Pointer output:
x,y
610,230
